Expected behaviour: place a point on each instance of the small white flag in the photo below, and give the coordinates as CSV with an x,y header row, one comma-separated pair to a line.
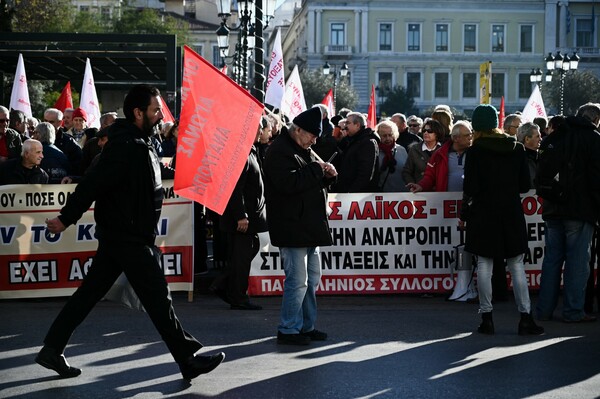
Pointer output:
x,y
19,98
89,100
534,107
293,102
275,78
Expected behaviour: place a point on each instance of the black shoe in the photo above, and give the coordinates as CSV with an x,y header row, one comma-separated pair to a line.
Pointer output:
x,y
53,360
245,306
487,324
528,327
221,293
200,364
315,335
292,339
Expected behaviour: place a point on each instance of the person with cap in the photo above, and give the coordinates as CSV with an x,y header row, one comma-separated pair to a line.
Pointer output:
x,y
359,165
296,183
496,172
79,126
126,187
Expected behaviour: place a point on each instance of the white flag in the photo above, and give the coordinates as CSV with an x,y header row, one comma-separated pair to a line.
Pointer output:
x,y
293,99
534,107
19,98
89,100
275,77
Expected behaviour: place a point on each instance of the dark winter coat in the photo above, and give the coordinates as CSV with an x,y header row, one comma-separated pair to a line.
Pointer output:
x,y
247,199
359,168
496,172
13,172
296,192
55,163
583,198
126,185
67,144
13,143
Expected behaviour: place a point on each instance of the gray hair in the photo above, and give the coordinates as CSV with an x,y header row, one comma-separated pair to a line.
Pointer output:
x,y
56,112
27,144
526,130
47,132
357,117
457,125
400,115
391,125
510,118
589,111
4,110
416,119
105,116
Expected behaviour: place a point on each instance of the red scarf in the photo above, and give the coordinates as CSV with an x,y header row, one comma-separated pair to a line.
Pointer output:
x,y
387,152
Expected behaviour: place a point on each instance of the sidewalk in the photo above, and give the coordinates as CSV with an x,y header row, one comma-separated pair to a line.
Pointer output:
x,y
379,347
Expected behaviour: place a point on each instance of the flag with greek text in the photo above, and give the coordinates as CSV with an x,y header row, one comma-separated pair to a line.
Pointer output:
x,y
217,126
534,107
293,102
275,78
19,98
89,99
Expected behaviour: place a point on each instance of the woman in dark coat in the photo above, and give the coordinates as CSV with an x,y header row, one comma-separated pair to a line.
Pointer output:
x,y
496,172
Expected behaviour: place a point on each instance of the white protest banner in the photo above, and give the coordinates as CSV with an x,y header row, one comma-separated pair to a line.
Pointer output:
x,y
19,98
392,243
293,102
89,100
275,79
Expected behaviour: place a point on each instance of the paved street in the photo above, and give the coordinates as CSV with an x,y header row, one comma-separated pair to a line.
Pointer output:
x,y
379,347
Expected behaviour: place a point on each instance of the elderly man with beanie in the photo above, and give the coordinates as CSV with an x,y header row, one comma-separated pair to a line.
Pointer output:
x,y
496,172
79,126
296,182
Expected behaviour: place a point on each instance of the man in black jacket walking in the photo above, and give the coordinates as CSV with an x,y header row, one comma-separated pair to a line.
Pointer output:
x,y
127,187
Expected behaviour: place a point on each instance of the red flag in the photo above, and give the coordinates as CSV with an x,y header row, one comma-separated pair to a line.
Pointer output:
x,y
65,100
224,69
328,102
372,115
217,126
168,116
501,114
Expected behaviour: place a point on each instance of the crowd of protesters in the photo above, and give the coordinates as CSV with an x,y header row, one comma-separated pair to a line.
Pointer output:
x,y
300,161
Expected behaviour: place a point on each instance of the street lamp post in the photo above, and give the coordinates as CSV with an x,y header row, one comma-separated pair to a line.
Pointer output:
x,y
562,64
250,37
343,72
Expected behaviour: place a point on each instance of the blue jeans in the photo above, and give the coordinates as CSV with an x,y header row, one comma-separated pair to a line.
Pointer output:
x,y
568,242
519,282
302,267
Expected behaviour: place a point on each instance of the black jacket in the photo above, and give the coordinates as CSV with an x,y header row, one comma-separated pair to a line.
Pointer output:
x,y
13,172
13,143
55,163
247,199
67,144
583,199
296,196
496,172
359,167
126,185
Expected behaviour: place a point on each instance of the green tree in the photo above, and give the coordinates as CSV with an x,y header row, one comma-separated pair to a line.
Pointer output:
x,y
397,100
316,86
579,88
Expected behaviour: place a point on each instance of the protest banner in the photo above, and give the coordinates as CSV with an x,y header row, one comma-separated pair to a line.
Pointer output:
x,y
34,263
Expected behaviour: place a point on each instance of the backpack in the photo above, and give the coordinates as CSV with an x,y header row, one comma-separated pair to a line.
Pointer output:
x,y
555,171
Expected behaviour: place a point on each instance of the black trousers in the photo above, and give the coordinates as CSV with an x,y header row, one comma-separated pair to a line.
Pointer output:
x,y
140,263
242,248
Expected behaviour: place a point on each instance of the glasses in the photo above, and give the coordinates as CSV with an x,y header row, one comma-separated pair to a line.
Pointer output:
x,y
427,130
413,125
4,120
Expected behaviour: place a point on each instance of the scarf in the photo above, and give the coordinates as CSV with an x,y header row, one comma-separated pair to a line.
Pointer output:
x,y
387,152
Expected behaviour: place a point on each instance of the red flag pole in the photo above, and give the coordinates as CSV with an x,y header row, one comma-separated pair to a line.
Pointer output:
x,y
501,114
372,114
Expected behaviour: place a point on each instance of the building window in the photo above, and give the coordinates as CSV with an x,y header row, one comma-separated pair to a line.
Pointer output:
x,y
413,84
384,85
441,37
216,56
441,85
584,35
385,37
497,85
469,89
105,12
498,38
524,85
470,37
414,37
338,34
197,48
527,38
84,8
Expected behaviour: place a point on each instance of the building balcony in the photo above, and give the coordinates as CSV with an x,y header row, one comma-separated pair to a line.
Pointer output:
x,y
337,50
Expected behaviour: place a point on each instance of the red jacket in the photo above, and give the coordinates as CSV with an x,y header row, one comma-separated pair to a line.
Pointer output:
x,y
436,172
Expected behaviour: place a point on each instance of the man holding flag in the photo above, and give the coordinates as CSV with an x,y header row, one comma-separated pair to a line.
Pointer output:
x,y
127,188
